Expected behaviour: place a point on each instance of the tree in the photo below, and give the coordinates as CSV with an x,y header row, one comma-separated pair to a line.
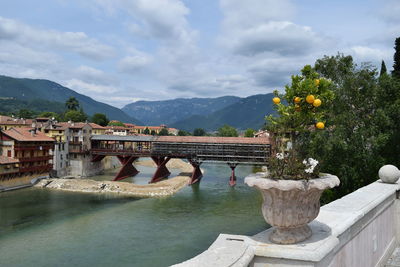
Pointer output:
x,y
146,131
199,132
75,116
163,131
153,132
26,114
72,103
115,123
396,59
227,131
183,133
358,131
100,119
49,114
249,133
383,69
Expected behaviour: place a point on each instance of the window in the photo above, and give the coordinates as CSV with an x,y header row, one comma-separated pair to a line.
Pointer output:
x,y
9,153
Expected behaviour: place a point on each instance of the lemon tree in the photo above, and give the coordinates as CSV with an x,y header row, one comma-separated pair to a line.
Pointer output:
x,y
301,108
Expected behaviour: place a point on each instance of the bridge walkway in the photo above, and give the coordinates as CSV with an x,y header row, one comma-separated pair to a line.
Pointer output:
x,y
230,150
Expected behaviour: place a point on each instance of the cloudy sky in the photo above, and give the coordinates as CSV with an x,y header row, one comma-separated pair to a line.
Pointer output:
x,y
120,51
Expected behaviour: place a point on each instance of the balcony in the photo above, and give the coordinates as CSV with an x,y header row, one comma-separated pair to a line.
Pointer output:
x,y
35,147
31,159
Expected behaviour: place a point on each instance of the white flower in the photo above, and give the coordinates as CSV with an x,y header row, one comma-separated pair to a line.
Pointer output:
x,y
310,164
280,156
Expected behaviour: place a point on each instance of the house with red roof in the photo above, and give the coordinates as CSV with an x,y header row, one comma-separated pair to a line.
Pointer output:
x,y
28,149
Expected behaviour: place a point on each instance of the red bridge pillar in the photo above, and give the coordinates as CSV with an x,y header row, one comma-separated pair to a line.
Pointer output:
x,y
127,169
232,180
196,175
162,171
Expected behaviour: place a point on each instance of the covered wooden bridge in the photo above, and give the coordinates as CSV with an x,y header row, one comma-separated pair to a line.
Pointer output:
x,y
231,150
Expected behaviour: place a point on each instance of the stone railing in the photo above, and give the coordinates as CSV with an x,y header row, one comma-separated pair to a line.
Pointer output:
x,y
360,229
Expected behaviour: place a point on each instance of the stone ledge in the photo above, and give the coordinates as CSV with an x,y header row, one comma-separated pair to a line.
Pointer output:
x,y
227,250
337,224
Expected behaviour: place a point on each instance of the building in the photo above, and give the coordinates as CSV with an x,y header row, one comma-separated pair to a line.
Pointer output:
x,y
9,168
262,133
7,122
117,130
60,153
97,129
153,130
78,136
31,150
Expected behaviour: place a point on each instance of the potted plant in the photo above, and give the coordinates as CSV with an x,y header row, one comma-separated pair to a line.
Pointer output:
x,y
292,184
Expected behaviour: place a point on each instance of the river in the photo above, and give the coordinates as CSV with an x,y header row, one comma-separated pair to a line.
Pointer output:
x,y
41,227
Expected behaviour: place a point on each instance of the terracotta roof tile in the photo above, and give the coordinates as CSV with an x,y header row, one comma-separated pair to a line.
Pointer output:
x,y
24,134
14,121
96,126
212,139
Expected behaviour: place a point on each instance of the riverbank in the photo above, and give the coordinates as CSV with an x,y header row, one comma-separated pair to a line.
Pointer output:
x,y
161,189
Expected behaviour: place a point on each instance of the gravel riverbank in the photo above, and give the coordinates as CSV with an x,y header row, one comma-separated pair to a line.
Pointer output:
x,y
163,188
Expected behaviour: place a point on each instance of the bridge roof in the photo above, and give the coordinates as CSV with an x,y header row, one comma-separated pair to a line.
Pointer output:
x,y
213,140
129,138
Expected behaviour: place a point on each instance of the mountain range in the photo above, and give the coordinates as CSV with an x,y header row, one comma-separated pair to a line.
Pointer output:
x,y
27,91
206,113
248,112
174,110
181,113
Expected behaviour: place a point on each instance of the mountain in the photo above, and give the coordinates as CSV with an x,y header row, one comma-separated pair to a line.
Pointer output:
x,y
28,90
171,111
248,112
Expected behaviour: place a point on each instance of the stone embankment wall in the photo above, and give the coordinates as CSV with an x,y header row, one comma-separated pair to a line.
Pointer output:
x,y
359,230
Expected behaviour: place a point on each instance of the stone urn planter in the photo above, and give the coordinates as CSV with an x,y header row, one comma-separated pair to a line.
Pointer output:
x,y
289,205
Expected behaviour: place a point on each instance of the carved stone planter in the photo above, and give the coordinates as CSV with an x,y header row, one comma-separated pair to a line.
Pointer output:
x,y
289,205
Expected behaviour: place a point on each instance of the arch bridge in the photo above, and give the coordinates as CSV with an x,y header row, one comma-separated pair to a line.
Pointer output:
x,y
196,149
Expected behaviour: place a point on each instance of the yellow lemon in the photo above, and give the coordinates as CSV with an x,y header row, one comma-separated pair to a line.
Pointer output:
x,y
316,82
320,125
297,100
310,99
276,100
317,102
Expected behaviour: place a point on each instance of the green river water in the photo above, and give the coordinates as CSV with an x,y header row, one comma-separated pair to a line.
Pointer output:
x,y
41,227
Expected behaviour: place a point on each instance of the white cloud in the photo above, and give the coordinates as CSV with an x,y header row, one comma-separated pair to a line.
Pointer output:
x,y
90,88
241,14
281,37
134,63
369,54
76,42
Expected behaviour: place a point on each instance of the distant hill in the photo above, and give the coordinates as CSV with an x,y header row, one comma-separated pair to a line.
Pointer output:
x,y
37,105
248,112
31,90
170,111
